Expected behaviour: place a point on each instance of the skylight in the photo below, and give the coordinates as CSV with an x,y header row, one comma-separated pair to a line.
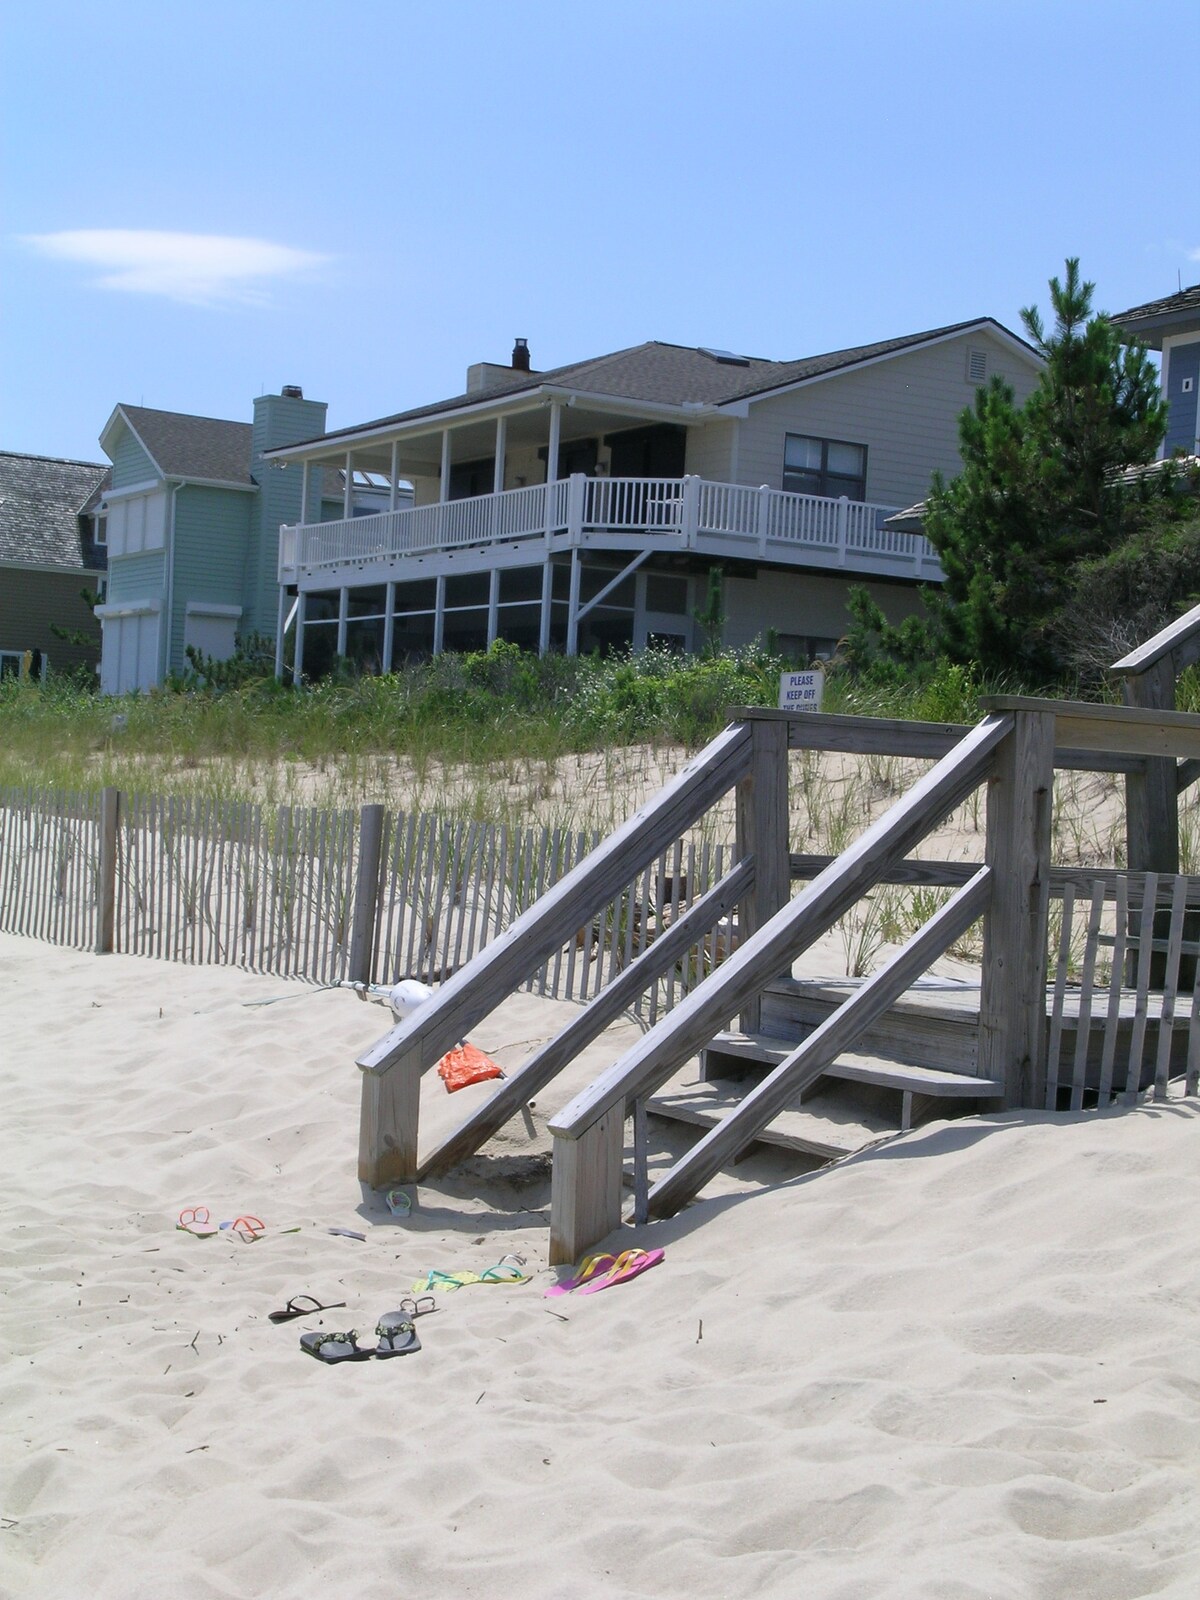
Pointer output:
x,y
726,357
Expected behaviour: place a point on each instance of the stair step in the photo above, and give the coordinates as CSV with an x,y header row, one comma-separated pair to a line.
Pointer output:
x,y
855,1066
934,1025
836,1130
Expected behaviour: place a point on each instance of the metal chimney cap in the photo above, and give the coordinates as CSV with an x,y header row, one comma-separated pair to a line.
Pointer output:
x,y
292,391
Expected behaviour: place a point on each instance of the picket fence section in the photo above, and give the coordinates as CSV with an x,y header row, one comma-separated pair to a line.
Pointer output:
x,y
1124,1017
318,895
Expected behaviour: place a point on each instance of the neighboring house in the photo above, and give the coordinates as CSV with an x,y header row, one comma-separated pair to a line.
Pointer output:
x,y
193,515
51,550
582,508
1172,325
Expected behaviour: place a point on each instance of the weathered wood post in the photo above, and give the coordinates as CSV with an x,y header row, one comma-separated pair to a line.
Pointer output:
x,y
1012,1006
762,831
1151,795
106,888
389,1119
585,1187
366,894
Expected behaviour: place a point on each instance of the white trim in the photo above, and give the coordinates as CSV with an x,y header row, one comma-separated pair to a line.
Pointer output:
x,y
128,608
985,325
66,572
147,486
210,608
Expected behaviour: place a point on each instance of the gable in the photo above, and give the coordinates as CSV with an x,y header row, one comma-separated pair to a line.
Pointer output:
x,y
130,462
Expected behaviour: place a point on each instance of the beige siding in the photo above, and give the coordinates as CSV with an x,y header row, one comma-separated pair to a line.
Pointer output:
x,y
710,450
31,601
802,603
905,410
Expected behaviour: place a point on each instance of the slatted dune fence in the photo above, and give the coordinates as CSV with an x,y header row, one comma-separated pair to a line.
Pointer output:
x,y
212,882
205,881
49,858
1123,1016
447,889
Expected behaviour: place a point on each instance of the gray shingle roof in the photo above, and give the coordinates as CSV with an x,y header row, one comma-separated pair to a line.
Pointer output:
x,y
41,499
1179,312
194,447
672,374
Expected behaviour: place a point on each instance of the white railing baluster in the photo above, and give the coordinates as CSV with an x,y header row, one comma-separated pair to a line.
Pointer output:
x,y
692,508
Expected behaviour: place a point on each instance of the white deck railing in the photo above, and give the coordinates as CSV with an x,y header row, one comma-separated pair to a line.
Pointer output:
x,y
693,512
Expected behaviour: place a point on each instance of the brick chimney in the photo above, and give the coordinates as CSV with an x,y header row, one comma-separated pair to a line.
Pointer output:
x,y
520,356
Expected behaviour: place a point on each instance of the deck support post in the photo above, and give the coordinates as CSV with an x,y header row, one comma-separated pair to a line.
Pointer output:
x,y
1151,796
305,483
762,831
1012,1005
439,613
343,618
585,1187
106,910
389,628
348,488
388,1125
298,653
280,626
547,602
394,477
573,605
444,470
493,622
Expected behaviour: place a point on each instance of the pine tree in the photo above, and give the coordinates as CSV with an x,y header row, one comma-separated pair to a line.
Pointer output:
x,y
1040,488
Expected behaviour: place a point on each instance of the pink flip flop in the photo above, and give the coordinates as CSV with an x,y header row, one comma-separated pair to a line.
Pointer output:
x,y
627,1265
588,1268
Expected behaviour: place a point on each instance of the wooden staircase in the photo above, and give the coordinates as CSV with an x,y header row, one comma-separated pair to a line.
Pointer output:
x,y
900,1073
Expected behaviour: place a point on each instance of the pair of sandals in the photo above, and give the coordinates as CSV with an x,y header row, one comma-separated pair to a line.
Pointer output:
x,y
603,1271
395,1332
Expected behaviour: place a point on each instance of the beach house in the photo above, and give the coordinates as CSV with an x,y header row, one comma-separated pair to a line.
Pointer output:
x,y
582,507
193,515
1172,325
52,549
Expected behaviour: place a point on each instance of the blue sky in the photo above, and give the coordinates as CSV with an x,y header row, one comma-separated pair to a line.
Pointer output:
x,y
201,203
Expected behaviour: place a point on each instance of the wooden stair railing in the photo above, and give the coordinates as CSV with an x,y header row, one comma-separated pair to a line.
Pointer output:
x,y
588,1133
810,1058
392,1067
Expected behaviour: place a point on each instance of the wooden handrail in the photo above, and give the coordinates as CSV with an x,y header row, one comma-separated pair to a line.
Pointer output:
x,y
1127,730
1180,638
388,1129
533,1075
772,949
809,1060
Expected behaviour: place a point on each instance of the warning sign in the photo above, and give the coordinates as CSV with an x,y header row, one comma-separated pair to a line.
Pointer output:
x,y
801,691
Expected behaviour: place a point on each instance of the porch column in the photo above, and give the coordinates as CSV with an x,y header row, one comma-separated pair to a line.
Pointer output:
x,y
547,599
394,476
439,614
305,481
343,613
298,657
348,492
444,484
501,443
280,624
389,623
493,605
555,439
573,606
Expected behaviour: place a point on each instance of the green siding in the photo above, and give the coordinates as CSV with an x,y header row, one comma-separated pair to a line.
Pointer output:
x,y
130,462
32,603
136,577
213,533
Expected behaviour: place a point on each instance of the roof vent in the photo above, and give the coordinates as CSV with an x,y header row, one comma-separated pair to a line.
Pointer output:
x,y
292,391
727,358
976,365
520,355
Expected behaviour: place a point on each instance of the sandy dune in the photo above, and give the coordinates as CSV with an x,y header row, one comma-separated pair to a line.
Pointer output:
x,y
963,1366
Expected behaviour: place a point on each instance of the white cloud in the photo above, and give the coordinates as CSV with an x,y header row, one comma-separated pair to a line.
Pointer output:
x,y
196,268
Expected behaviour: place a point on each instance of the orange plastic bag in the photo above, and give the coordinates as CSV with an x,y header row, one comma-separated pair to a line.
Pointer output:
x,y
466,1064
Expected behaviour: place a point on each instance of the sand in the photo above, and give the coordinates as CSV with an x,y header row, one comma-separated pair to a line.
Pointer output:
x,y
961,1365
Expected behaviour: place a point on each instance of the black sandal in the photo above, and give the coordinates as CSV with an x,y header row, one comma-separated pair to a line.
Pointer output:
x,y
320,1346
309,1308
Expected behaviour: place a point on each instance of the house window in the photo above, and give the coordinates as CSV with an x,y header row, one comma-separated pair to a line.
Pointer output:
x,y
10,663
100,530
828,467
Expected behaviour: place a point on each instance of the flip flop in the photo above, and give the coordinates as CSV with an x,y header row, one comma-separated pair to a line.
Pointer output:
x,y
627,1265
308,1309
333,1347
588,1268
396,1334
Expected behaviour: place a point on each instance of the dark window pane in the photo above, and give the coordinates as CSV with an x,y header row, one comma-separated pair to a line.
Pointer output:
x,y
520,583
667,594
467,589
